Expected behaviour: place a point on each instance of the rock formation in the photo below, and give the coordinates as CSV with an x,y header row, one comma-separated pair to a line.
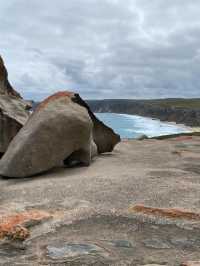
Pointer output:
x,y
13,110
104,137
5,87
60,130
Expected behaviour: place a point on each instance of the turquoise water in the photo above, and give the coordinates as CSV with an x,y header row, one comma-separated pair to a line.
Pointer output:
x,y
132,126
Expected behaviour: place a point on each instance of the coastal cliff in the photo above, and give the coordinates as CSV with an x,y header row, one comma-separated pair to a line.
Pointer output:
x,y
182,111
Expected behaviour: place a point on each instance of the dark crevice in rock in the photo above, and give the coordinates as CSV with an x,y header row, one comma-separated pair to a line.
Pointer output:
x,y
104,136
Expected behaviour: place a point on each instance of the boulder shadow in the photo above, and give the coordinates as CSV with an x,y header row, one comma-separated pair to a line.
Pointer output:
x,y
51,173
105,155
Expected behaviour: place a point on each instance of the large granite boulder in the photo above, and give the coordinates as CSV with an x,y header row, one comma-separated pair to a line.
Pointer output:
x,y
61,129
58,128
104,137
13,110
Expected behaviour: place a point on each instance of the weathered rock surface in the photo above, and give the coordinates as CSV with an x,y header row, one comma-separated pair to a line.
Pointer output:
x,y
172,213
92,216
58,128
13,110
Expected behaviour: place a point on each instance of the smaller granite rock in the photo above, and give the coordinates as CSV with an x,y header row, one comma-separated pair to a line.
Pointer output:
x,y
104,137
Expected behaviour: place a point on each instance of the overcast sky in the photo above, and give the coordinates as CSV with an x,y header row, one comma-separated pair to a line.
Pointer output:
x,y
102,48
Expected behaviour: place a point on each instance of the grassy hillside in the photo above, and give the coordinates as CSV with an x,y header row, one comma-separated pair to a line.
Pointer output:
x,y
182,111
173,102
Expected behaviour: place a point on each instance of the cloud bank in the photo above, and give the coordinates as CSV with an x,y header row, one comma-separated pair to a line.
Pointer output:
x,y
102,48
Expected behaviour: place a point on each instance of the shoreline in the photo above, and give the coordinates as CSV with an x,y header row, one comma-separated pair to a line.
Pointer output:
x,y
165,137
181,111
149,117
185,128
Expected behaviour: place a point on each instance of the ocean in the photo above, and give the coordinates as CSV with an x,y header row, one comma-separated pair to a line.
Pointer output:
x,y
133,126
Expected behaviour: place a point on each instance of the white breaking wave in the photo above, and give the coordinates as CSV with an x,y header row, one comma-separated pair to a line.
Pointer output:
x,y
131,126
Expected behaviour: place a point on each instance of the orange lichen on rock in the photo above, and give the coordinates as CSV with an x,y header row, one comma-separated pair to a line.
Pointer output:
x,y
54,97
172,213
18,233
15,226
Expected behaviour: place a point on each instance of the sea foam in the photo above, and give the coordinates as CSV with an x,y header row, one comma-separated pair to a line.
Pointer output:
x,y
132,126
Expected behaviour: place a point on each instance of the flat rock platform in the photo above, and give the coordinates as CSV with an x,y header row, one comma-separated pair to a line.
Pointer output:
x,y
139,205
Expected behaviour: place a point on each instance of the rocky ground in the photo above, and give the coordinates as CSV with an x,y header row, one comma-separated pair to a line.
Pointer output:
x,y
139,205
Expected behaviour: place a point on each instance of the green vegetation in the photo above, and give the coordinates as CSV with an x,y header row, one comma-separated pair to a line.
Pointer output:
x,y
175,102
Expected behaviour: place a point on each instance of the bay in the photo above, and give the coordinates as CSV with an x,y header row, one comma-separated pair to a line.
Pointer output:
x,y
133,126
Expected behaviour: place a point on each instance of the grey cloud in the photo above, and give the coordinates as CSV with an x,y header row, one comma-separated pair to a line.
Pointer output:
x,y
102,48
